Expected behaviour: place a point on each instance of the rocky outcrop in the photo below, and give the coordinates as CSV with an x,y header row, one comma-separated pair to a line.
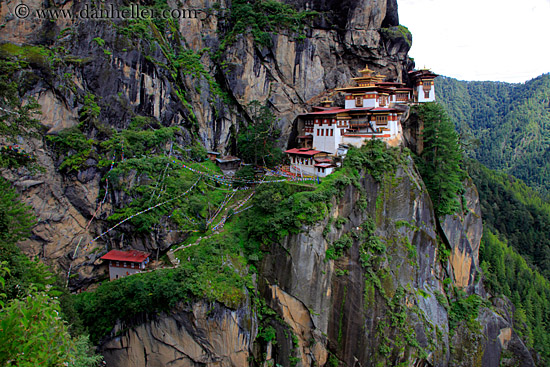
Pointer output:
x,y
495,344
348,303
463,233
205,335
386,300
131,75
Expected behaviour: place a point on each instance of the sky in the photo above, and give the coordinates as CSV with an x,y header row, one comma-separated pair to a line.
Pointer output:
x,y
500,40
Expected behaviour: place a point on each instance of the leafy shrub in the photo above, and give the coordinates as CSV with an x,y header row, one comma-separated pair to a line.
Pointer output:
x,y
336,250
263,17
73,144
212,271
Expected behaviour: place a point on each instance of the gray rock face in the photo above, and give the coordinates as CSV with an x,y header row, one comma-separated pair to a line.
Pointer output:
x,y
131,76
388,310
206,335
365,308
463,232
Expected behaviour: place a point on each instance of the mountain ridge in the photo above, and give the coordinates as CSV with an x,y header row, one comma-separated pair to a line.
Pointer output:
x,y
508,124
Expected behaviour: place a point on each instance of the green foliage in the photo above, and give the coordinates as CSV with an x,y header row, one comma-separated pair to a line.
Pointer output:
x,y
517,212
337,249
85,356
245,173
188,62
256,140
15,218
90,109
375,157
197,152
464,308
398,32
282,209
100,42
145,145
507,273
16,118
213,271
163,179
508,124
333,361
74,146
33,334
37,56
268,334
145,136
262,18
32,331
16,158
16,222
440,161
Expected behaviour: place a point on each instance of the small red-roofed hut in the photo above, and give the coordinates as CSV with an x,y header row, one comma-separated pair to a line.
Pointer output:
x,y
124,263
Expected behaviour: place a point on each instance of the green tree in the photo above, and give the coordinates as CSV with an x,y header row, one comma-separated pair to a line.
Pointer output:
x,y
33,334
16,117
32,331
509,122
246,173
440,161
256,140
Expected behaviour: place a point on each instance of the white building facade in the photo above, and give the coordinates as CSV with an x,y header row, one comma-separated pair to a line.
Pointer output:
x,y
372,110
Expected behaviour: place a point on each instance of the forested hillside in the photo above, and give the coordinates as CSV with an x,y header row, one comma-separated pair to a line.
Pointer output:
x,y
507,126
516,221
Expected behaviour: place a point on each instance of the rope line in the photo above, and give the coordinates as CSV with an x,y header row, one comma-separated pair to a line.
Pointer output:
x,y
225,181
144,211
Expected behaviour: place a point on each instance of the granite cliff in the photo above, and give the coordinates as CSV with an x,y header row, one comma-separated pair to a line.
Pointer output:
x,y
180,76
389,298
404,287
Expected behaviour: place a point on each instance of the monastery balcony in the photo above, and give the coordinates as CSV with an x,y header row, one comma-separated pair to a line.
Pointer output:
x,y
363,132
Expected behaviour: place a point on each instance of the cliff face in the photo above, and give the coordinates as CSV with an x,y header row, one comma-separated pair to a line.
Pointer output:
x,y
385,300
133,72
204,335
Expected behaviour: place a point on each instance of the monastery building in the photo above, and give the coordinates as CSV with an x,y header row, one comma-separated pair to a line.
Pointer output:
x,y
373,109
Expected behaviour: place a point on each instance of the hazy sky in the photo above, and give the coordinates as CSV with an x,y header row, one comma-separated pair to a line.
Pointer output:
x,y
505,40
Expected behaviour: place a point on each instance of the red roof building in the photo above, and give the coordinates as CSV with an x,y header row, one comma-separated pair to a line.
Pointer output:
x,y
124,263
372,110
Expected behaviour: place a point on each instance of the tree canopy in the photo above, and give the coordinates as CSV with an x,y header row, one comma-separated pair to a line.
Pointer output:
x,y
33,330
257,138
509,122
440,160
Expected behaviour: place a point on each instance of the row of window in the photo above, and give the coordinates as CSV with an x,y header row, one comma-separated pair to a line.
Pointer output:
x,y
382,100
401,97
321,122
304,161
327,132
125,265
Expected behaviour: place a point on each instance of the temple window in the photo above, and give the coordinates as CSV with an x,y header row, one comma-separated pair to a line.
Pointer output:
x,y
381,119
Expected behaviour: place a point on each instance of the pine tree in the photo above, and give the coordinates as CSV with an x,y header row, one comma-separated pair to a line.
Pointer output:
x,y
440,161
256,140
